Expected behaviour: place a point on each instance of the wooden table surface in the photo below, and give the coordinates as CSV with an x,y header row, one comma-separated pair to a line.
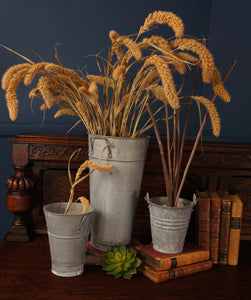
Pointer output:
x,y
25,274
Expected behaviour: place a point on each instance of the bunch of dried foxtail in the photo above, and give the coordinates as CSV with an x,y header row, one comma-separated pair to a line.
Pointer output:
x,y
140,77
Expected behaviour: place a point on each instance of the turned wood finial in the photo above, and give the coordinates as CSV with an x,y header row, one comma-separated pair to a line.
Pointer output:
x,y
18,198
19,202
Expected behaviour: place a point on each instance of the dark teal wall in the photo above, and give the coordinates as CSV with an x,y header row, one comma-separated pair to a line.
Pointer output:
x,y
229,38
82,27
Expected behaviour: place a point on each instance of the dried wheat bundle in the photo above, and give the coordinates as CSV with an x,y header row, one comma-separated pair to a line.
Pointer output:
x,y
141,80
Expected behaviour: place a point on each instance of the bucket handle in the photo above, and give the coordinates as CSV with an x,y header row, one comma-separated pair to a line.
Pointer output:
x,y
92,140
147,198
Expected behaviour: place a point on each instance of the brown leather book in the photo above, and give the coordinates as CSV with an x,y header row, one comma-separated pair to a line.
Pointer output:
x,y
235,230
192,254
161,276
203,219
215,215
226,205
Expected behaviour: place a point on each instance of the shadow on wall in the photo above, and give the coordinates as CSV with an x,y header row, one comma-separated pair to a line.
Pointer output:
x,y
6,171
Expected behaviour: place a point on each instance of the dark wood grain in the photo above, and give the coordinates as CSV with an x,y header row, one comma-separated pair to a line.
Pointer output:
x,y
25,274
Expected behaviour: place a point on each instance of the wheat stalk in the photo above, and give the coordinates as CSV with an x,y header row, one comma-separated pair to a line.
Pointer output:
x,y
163,17
94,166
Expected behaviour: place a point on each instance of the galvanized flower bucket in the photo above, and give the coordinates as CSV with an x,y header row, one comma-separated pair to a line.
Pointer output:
x,y
68,236
169,224
114,194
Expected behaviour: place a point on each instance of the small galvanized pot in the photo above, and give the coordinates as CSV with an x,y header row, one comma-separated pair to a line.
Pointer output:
x,y
169,224
68,236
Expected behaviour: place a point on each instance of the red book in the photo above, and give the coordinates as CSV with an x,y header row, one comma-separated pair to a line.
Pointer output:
x,y
215,217
161,276
191,254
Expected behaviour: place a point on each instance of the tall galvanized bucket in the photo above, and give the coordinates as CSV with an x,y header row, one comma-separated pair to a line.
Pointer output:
x,y
68,236
169,224
114,194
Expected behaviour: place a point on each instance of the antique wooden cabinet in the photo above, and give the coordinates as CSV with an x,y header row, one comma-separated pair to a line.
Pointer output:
x,y
40,177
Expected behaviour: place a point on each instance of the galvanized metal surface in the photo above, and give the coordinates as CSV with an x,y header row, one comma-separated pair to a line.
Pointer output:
x,y
169,224
114,194
68,236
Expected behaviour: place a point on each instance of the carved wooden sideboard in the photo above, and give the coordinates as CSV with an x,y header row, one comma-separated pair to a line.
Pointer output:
x,y
40,163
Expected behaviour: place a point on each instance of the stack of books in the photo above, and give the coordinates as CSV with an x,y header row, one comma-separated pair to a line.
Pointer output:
x,y
161,267
219,217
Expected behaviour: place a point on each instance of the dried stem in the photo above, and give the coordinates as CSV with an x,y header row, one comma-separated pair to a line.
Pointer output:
x,y
162,155
78,178
168,145
177,177
198,138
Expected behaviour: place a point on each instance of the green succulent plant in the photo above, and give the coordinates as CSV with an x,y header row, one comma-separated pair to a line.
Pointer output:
x,y
121,262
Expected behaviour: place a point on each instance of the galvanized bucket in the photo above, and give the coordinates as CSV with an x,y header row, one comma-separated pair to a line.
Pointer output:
x,y
114,194
169,224
68,236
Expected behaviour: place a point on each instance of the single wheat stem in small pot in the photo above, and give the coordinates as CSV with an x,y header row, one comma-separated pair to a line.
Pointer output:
x,y
78,179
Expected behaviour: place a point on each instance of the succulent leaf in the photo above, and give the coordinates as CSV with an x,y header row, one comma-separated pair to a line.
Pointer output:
x,y
122,250
121,262
110,255
118,256
109,267
114,249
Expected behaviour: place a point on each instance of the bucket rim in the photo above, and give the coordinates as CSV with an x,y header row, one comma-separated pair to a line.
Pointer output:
x,y
150,202
144,136
47,206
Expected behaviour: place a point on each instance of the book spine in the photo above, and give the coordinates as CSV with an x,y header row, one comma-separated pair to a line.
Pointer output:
x,y
161,276
186,259
226,206
204,223
215,214
235,232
